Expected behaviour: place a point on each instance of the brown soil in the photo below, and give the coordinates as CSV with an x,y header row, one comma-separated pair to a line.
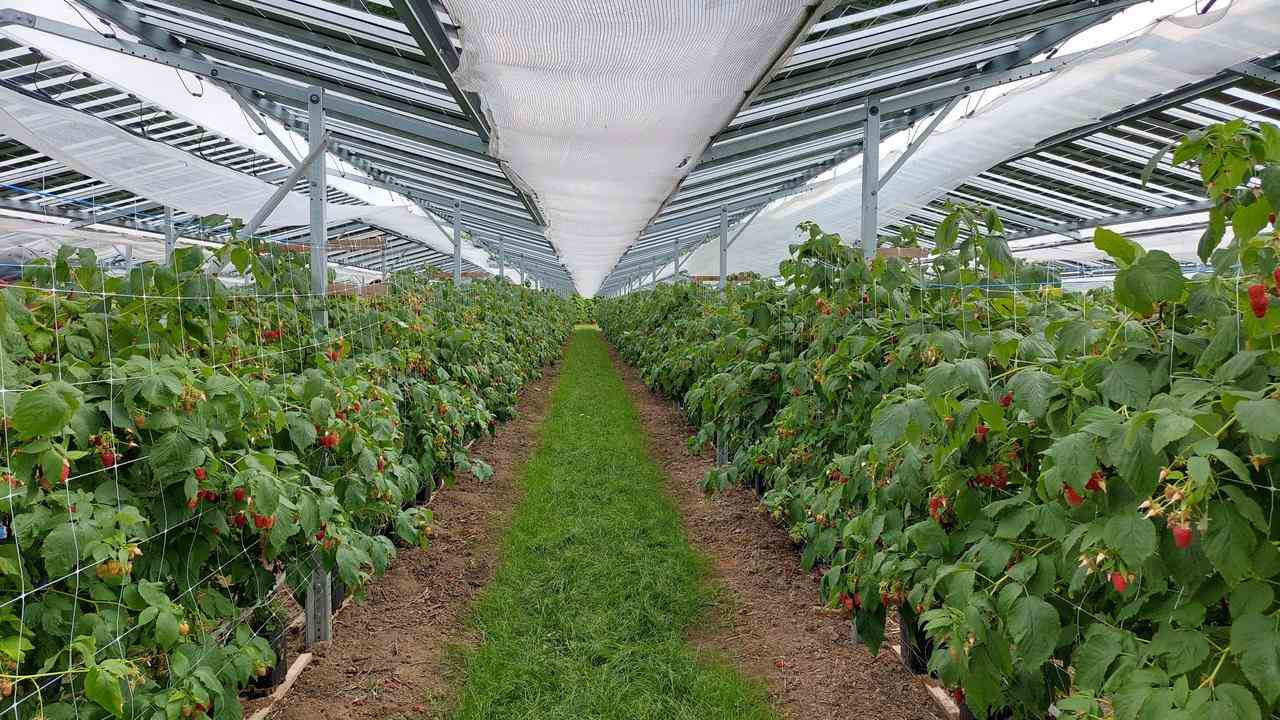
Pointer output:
x,y
388,658
774,627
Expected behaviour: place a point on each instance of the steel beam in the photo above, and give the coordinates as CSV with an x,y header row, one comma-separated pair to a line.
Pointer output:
x,y
919,141
1154,214
303,168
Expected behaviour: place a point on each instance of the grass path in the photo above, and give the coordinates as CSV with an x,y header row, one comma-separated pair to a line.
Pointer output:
x,y
597,589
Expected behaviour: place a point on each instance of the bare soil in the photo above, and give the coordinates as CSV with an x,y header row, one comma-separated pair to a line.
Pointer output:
x,y
389,658
773,626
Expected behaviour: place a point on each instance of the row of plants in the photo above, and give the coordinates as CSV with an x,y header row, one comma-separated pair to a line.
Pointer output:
x,y
178,450
1067,500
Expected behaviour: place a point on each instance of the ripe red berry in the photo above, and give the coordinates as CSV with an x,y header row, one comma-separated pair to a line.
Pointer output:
x,y
192,503
958,695
981,432
1275,275
1007,399
1119,582
1258,300
1001,474
936,504
239,494
66,472
320,534
1073,497
239,520
1095,482
108,459
1182,536
355,407
259,521
201,474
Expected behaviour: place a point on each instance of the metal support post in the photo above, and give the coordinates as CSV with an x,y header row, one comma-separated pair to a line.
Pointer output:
x,y
871,180
457,242
675,254
520,266
383,253
724,245
170,236
316,137
319,611
502,266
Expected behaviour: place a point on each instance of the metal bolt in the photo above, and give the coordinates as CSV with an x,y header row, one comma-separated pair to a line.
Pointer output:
x,y
315,98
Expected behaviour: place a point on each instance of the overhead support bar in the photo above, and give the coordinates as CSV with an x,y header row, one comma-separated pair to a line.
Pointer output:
x,y
871,181
255,116
1258,72
919,141
1141,215
303,168
424,24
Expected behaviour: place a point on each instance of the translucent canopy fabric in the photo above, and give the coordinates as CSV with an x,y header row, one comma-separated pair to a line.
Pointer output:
x,y
1171,54
600,108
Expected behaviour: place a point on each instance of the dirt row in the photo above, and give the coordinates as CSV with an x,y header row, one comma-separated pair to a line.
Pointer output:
x,y
773,626
390,658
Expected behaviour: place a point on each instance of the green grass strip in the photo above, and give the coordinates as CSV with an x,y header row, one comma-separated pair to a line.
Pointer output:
x,y
598,588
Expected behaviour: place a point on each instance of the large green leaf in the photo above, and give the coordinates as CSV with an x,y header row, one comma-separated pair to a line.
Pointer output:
x,y
1074,459
104,688
1132,536
1121,249
1032,389
1034,627
1256,642
1155,277
890,424
1229,542
1127,383
40,412
1260,418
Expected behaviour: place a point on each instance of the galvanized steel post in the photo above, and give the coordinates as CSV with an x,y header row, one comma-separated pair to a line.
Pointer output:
x,y
457,242
871,180
319,205
724,245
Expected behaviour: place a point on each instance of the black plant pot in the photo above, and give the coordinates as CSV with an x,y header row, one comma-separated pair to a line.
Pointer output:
x,y
275,674
337,593
917,648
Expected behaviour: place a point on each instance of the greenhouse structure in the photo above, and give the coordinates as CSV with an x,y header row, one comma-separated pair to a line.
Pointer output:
x,y
639,359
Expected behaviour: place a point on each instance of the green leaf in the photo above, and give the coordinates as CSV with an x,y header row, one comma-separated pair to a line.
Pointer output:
x,y
1242,363
1248,508
1229,542
1271,184
1123,250
174,453
1260,418
166,629
1181,650
1074,459
1132,536
1233,461
1127,383
1032,389
1034,627
1170,428
1249,220
301,432
890,424
1256,642
1101,647
103,688
1155,277
1232,702
59,551
40,412
1212,236
1251,597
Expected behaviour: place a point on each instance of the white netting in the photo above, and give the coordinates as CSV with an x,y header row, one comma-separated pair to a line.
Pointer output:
x,y
1172,53
601,107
